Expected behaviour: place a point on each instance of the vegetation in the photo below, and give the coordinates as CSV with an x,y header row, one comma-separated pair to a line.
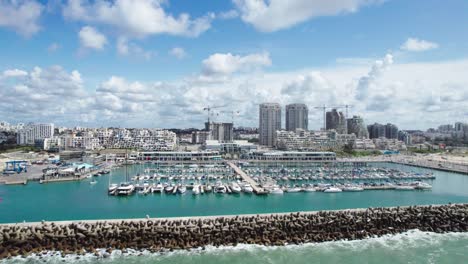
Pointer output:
x,y
6,148
349,152
424,151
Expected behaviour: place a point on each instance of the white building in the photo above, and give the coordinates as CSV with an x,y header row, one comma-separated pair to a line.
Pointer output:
x,y
32,132
236,146
312,140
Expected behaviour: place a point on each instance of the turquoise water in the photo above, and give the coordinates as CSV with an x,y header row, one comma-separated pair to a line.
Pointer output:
x,y
410,247
81,200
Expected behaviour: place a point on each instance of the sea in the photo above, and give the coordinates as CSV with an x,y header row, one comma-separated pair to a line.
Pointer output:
x,y
84,201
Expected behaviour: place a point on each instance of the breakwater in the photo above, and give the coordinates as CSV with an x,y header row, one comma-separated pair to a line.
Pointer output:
x,y
197,232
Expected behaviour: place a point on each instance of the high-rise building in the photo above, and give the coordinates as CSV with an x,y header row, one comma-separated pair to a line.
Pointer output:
x,y
297,116
356,126
391,131
220,131
32,132
376,130
337,121
269,123
405,137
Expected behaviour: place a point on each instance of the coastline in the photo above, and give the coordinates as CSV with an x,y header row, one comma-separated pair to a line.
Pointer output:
x,y
162,234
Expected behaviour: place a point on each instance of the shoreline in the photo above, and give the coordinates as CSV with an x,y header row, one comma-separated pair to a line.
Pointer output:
x,y
163,234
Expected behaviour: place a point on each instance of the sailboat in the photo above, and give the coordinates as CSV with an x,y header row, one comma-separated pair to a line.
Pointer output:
x,y
125,188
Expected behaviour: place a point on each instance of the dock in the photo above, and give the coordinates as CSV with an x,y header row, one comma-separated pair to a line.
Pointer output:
x,y
257,189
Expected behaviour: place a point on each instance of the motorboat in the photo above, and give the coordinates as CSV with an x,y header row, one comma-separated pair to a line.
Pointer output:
x,y
112,187
309,188
247,188
125,188
208,188
404,187
353,188
235,188
169,188
220,188
332,190
181,189
196,189
294,189
423,186
158,188
276,190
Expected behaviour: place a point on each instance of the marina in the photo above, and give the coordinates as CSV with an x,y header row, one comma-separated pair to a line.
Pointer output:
x,y
81,200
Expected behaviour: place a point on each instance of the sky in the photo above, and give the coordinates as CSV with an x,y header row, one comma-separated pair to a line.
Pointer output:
x,y
159,63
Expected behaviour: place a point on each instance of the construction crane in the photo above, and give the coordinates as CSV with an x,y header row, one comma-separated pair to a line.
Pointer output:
x,y
233,113
347,107
324,108
209,108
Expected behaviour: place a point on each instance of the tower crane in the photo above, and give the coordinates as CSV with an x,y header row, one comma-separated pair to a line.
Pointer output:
x,y
233,113
209,108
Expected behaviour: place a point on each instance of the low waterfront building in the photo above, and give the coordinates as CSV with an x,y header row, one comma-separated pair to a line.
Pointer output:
x,y
179,155
236,146
389,144
290,156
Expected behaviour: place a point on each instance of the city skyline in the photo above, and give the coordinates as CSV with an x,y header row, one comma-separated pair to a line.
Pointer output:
x,y
64,62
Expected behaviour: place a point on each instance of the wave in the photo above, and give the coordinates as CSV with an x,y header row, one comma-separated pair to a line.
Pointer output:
x,y
411,244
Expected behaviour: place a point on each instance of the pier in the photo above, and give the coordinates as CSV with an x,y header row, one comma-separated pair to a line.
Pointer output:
x,y
257,189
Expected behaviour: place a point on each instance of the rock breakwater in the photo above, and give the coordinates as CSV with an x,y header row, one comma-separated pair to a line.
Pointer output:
x,y
197,232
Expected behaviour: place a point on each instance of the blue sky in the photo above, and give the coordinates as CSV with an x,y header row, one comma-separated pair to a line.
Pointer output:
x,y
316,46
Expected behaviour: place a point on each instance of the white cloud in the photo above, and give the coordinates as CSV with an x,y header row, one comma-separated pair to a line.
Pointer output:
x,y
53,47
136,18
228,14
92,38
225,64
14,73
178,52
414,44
366,82
273,15
126,48
21,15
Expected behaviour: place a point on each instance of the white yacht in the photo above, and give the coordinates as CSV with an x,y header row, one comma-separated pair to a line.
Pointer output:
x,y
353,188
220,188
181,189
208,188
125,188
235,188
196,189
169,188
276,190
294,189
247,188
158,188
423,186
309,188
404,187
332,190
112,188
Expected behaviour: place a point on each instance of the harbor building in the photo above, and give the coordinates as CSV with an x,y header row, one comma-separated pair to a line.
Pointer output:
x,y
269,123
290,156
297,117
32,132
391,131
357,127
337,121
236,146
312,140
376,130
220,131
179,156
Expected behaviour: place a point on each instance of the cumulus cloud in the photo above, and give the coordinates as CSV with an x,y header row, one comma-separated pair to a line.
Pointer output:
x,y
91,38
366,82
273,15
178,52
136,18
21,16
126,48
414,44
14,73
228,14
227,63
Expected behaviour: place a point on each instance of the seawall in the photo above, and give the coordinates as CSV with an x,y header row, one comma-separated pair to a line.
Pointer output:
x,y
195,232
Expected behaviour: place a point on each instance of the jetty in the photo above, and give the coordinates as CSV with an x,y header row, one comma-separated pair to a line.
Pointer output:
x,y
257,189
163,234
